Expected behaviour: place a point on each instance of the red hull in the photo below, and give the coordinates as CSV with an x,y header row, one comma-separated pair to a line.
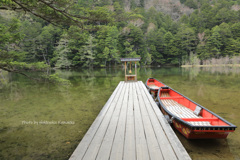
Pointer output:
x,y
199,134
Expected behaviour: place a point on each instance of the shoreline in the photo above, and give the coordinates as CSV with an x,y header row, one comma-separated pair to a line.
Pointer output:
x,y
215,65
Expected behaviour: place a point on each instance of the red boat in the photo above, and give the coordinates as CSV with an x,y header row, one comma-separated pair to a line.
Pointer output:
x,y
153,86
191,119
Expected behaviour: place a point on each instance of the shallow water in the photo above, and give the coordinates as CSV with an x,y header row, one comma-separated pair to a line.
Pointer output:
x,y
46,121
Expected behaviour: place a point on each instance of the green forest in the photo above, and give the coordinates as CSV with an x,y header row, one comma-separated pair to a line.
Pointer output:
x,y
88,33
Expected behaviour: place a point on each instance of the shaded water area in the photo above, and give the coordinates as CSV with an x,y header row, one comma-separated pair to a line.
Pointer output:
x,y
46,121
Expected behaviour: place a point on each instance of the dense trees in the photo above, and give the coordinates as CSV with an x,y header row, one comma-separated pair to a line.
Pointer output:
x,y
64,34
10,37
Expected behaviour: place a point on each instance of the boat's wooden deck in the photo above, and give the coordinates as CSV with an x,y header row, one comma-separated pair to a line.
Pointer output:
x,y
130,126
178,109
153,86
182,111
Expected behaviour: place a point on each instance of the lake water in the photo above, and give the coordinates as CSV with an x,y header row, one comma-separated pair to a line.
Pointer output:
x,y
47,121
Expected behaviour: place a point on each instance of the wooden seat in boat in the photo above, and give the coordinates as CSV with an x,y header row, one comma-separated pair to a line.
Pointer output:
x,y
153,86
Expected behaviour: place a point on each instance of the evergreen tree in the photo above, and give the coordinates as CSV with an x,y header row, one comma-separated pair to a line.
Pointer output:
x,y
112,43
186,40
168,41
158,58
214,43
226,35
61,53
128,51
86,55
235,28
136,39
105,57
191,4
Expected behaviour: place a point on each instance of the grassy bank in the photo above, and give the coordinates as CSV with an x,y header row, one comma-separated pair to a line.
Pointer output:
x,y
227,61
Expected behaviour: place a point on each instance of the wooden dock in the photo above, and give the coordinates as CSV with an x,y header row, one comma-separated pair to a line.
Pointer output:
x,y
130,126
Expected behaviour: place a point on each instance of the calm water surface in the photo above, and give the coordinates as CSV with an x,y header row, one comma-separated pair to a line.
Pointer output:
x,y
46,121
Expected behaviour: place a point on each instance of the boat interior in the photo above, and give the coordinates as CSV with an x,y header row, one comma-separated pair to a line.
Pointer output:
x,y
188,111
154,84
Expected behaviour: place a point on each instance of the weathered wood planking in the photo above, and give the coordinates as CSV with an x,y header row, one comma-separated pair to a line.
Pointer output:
x,y
130,126
105,148
118,142
141,141
165,146
152,142
129,145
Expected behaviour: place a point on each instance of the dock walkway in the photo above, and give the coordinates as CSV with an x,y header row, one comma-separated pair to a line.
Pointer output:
x,y
130,126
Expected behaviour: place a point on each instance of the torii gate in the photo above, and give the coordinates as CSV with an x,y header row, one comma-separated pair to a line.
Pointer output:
x,y
129,77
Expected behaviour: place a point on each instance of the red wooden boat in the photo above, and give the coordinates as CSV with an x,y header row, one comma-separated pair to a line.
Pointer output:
x,y
153,86
191,119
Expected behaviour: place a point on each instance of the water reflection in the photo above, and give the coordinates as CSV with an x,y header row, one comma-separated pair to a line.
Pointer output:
x,y
194,71
22,99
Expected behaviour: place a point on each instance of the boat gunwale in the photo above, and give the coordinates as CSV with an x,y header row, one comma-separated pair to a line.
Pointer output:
x,y
193,127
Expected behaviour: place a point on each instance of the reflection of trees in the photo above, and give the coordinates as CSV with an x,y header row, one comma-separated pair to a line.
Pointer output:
x,y
222,70
201,90
15,86
226,70
9,89
93,80
222,76
192,72
155,72
3,78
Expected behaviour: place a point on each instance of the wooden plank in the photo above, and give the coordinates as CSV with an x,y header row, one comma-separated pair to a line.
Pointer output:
x,y
165,146
152,142
105,149
129,144
84,144
153,86
95,144
118,143
141,143
176,144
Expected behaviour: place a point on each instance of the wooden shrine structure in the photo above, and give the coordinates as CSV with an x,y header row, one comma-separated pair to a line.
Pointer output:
x,y
129,76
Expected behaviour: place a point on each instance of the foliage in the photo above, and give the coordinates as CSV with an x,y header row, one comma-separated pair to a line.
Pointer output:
x,y
61,54
10,38
37,66
88,53
61,12
98,33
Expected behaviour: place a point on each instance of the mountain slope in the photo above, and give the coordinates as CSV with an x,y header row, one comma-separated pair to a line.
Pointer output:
x,y
174,8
